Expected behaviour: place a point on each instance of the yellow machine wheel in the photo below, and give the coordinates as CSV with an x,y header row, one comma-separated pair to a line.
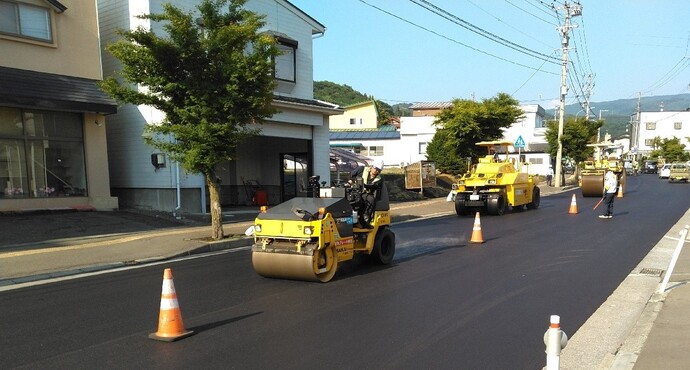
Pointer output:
x,y
536,199
592,185
319,267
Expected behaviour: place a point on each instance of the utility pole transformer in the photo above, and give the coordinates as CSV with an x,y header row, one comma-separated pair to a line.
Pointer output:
x,y
565,38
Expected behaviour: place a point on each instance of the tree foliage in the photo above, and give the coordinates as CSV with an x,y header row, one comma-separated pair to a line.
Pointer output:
x,y
343,95
465,123
211,76
577,133
671,150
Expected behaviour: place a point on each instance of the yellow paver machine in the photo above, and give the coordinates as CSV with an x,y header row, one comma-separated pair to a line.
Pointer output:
x,y
306,238
494,184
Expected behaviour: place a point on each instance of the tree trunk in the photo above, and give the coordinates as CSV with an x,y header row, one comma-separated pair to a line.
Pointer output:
x,y
216,211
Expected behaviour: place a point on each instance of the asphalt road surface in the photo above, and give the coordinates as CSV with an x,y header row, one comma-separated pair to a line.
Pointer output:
x,y
442,304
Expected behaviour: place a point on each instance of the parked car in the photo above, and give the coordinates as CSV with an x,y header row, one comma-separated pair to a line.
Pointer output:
x,y
649,167
665,171
679,172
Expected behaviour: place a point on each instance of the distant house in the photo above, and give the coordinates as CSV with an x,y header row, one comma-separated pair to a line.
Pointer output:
x,y
359,116
52,114
415,134
424,109
272,167
357,130
664,125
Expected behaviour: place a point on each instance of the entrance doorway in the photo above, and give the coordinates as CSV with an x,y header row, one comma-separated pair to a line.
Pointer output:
x,y
294,175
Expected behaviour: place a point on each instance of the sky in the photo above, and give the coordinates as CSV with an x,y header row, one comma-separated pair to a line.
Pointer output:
x,y
399,51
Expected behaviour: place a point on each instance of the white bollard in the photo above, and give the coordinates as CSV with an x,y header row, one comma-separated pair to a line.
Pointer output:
x,y
679,247
555,341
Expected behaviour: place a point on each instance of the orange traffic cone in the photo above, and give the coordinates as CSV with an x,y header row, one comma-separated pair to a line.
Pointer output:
x,y
620,192
477,231
573,206
170,326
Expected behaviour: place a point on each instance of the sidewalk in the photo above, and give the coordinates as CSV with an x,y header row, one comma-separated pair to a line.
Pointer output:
x,y
654,335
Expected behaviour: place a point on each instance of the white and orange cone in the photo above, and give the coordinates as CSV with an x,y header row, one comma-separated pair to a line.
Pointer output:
x,y
573,206
620,192
477,231
170,325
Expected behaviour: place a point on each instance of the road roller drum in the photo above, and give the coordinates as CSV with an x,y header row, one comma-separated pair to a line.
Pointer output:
x,y
592,185
306,238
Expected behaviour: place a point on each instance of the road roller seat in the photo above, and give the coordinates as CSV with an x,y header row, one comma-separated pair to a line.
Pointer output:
x,y
382,201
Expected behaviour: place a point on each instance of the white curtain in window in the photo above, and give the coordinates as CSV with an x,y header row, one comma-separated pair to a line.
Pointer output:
x,y
35,22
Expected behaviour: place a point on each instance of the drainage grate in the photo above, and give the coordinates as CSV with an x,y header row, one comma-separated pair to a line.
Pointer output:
x,y
651,271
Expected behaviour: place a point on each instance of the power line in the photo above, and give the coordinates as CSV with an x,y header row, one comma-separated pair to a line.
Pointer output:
x,y
532,14
450,39
543,8
514,28
480,31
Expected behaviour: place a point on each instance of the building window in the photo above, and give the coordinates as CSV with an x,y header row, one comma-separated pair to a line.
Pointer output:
x,y
536,161
354,121
649,142
539,123
422,148
285,62
651,125
24,20
41,154
678,125
373,151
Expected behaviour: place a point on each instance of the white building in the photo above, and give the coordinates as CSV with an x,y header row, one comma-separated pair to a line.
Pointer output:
x,y
664,125
293,144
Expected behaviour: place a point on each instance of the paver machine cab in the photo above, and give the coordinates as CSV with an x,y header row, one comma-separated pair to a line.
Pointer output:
x,y
493,184
306,238
594,170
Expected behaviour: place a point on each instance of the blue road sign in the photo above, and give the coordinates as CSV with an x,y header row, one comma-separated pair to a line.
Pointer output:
x,y
519,143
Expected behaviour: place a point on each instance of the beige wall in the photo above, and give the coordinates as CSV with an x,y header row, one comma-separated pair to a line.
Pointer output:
x,y
75,50
366,112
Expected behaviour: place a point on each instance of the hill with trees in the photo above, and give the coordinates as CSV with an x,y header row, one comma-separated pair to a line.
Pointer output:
x,y
615,113
345,95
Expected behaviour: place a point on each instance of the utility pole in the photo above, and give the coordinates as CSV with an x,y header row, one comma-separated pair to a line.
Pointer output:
x,y
599,129
636,126
565,38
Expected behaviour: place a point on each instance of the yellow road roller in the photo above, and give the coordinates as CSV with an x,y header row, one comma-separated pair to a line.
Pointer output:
x,y
494,184
306,238
593,171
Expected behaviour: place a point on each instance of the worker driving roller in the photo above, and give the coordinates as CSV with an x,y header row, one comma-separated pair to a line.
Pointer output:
x,y
371,180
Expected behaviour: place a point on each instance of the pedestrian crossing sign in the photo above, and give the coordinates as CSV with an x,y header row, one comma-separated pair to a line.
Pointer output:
x,y
519,143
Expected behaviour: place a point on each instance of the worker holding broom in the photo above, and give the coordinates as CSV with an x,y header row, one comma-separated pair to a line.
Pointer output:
x,y
610,189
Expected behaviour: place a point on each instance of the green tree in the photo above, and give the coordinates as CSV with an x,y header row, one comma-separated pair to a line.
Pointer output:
x,y
211,76
672,150
438,151
384,112
577,133
467,122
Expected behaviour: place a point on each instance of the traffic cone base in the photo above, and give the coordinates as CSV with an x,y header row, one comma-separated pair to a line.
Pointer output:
x,y
620,192
170,325
573,206
477,231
